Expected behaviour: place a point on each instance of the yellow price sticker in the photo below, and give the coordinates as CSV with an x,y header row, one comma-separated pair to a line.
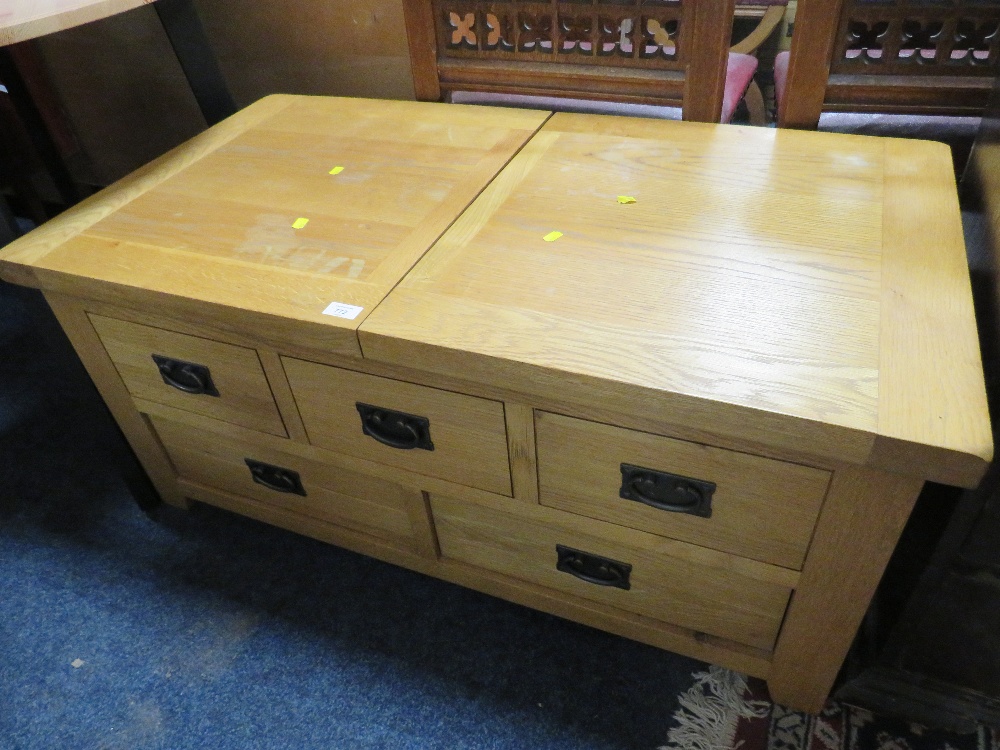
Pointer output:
x,y
336,170
625,199
552,236
299,223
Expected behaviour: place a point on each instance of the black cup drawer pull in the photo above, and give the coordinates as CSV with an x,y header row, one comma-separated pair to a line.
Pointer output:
x,y
593,568
664,491
185,376
275,478
395,428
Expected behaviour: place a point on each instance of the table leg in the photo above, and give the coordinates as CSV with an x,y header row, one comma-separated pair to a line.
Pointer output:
x,y
187,37
8,224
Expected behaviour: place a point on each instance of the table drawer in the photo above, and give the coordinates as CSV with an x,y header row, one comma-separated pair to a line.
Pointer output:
x,y
751,506
301,485
671,582
218,380
425,430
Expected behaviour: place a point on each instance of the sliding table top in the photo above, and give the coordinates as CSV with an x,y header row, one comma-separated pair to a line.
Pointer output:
x,y
295,216
792,289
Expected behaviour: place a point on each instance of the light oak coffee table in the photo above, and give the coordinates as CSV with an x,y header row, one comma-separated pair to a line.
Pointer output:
x,y
681,382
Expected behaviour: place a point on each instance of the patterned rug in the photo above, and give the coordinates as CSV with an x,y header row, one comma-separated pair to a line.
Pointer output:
x,y
725,710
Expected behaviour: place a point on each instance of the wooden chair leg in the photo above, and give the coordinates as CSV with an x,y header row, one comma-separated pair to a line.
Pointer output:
x,y
762,32
754,99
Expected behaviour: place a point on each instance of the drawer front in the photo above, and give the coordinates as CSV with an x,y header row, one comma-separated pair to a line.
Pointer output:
x,y
301,485
747,505
425,430
199,375
577,558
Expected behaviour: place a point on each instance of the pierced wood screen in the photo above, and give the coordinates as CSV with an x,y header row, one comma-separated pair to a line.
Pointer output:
x,y
629,33
918,37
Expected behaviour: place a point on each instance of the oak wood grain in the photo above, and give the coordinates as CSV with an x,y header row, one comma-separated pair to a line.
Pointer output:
x,y
929,353
817,445
762,509
692,291
521,448
18,259
691,303
244,394
228,432
418,506
75,322
523,545
649,630
468,434
283,398
851,548
248,223
362,503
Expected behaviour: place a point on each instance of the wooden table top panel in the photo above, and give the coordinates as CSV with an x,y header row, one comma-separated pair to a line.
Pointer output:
x,y
21,20
747,275
220,229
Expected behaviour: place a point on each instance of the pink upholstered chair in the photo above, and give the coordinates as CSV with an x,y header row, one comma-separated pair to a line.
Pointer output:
x,y
888,57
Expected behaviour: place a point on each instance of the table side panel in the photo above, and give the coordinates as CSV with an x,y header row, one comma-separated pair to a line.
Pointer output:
x,y
76,324
858,528
929,347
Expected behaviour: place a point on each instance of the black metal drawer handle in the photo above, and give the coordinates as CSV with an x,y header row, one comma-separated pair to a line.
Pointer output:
x,y
593,568
395,428
275,478
185,376
669,492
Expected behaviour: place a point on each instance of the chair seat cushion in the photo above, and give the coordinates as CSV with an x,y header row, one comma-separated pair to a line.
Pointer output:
x,y
739,73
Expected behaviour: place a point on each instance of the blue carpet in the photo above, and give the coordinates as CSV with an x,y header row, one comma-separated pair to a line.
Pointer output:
x,y
208,630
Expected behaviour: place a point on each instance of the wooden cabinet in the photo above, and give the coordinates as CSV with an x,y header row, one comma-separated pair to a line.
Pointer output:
x,y
433,334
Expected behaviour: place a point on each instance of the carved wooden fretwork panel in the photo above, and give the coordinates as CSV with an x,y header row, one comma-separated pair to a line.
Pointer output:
x,y
638,33
919,37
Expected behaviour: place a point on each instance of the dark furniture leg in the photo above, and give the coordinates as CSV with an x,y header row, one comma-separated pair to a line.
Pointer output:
x,y
187,36
8,224
35,125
